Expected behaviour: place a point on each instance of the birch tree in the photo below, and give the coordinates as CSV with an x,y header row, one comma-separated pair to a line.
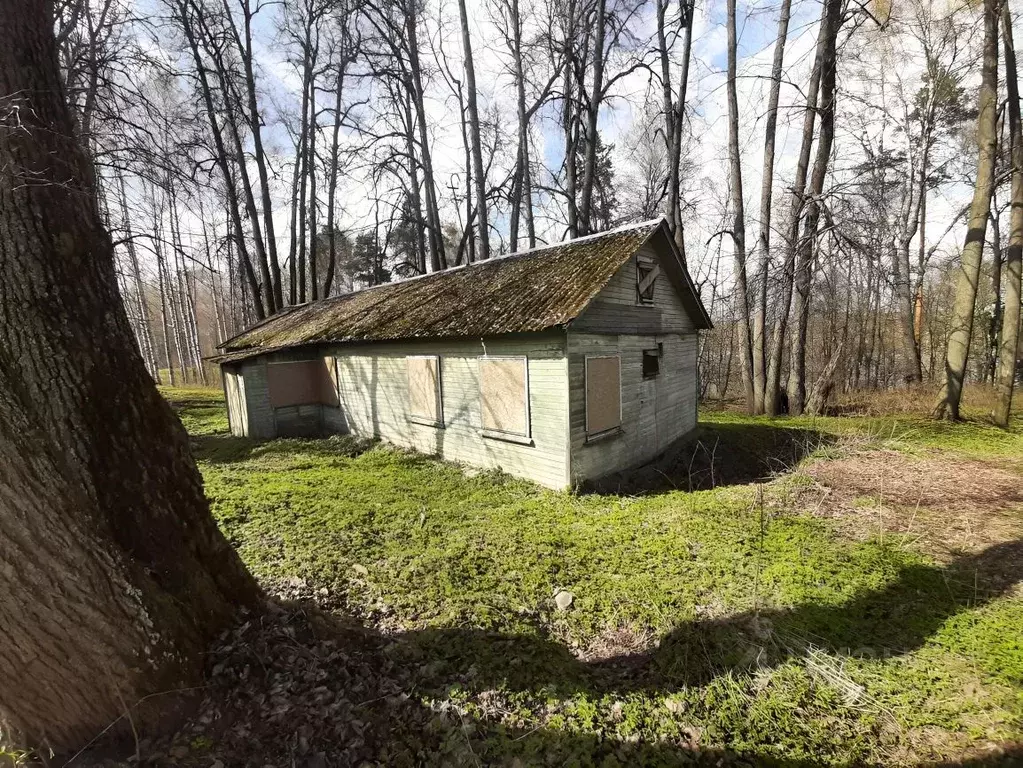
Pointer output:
x,y
956,356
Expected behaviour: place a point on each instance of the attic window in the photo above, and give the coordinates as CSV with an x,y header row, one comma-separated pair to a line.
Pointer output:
x,y
424,398
646,277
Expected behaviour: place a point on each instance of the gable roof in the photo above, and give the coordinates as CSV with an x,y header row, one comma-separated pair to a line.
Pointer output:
x,y
528,291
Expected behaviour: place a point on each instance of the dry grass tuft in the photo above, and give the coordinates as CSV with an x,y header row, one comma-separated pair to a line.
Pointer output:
x,y
950,505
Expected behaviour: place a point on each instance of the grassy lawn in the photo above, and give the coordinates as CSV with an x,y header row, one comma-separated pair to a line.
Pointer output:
x,y
839,590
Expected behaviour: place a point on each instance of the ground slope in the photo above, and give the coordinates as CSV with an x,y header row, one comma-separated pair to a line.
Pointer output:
x,y
838,591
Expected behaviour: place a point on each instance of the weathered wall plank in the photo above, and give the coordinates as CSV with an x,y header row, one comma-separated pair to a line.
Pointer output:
x,y
373,388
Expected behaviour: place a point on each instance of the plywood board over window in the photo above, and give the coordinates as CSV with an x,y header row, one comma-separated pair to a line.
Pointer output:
x,y
296,382
647,273
603,395
424,389
504,396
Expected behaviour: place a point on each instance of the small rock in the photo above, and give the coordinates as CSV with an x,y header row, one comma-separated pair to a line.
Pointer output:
x,y
360,569
564,600
323,592
295,582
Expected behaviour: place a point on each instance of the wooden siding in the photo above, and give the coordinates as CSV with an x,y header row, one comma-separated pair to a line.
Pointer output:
x,y
655,411
260,414
615,310
262,420
374,400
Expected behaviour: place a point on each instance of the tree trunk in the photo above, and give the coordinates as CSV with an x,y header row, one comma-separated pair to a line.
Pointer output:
x,y
741,300
145,327
332,175
674,112
1008,347
792,233
96,481
474,134
436,239
223,161
806,247
255,123
596,96
523,199
766,195
314,276
973,250
994,330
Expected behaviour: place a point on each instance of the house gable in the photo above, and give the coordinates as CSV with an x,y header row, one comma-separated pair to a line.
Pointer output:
x,y
668,302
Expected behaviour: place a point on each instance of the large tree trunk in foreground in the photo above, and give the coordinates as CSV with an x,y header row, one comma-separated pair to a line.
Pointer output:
x,y
973,250
1008,345
114,577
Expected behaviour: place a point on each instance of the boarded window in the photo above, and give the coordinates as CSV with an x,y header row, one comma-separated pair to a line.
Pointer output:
x,y
504,395
647,273
301,382
424,388
651,363
603,394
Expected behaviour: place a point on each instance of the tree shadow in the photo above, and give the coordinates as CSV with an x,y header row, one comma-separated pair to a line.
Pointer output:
x,y
891,621
228,449
717,455
334,692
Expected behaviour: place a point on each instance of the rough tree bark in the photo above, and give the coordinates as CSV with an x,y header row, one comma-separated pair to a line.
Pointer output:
x,y
438,260
115,577
973,250
1008,347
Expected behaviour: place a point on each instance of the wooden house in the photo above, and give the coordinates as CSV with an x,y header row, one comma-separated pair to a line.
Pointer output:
x,y
560,364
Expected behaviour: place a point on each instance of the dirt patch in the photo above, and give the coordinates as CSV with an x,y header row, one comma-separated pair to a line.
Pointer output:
x,y
951,505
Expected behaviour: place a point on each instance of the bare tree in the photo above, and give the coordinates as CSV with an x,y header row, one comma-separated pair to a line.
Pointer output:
x,y
1008,347
973,249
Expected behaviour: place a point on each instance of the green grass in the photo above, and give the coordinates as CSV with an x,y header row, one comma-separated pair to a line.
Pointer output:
x,y
704,617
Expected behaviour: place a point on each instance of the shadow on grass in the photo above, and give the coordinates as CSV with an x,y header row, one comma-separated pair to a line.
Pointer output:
x,y
888,622
717,455
313,667
228,449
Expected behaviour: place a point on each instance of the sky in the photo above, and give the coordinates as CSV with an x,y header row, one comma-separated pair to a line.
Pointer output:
x,y
873,62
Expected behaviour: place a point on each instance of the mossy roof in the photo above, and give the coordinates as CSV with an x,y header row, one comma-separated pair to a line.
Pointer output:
x,y
531,291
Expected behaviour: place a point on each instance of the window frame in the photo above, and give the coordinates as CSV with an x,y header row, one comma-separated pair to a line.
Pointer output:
x,y
524,438
656,353
651,267
610,431
417,418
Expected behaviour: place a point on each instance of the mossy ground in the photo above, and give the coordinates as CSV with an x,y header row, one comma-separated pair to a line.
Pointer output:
x,y
739,618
